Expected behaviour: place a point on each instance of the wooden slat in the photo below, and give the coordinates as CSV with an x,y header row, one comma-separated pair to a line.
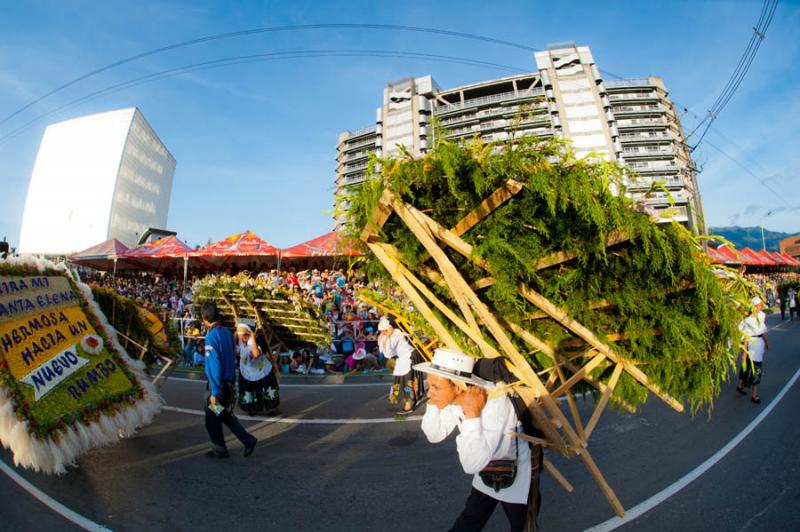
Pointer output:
x,y
487,206
561,479
579,330
419,303
480,284
474,335
683,285
559,257
380,214
578,375
601,405
447,269
613,337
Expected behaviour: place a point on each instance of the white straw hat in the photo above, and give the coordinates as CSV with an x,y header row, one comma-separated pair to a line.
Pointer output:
x,y
384,324
756,301
454,365
245,325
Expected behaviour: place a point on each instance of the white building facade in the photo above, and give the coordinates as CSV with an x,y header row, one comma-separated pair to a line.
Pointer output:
x,y
96,177
565,98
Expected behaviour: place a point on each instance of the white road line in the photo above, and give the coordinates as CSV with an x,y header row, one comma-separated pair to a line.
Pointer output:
x,y
51,503
385,384
647,505
301,421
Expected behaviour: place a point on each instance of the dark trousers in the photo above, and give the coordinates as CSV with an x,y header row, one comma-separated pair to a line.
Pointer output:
x,y
478,509
226,417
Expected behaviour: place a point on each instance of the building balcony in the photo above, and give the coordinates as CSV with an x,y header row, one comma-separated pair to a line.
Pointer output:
x,y
361,132
487,100
643,166
619,83
636,96
641,122
661,137
348,169
637,109
645,182
350,146
629,152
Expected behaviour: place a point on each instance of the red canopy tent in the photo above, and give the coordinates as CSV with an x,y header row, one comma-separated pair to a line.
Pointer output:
x,y
767,259
328,245
778,258
158,255
101,256
750,257
727,255
240,249
712,254
790,260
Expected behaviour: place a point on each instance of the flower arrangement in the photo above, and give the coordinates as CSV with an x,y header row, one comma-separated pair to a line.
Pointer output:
x,y
58,429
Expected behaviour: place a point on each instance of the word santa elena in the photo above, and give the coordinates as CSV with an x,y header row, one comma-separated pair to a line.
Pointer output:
x,y
10,307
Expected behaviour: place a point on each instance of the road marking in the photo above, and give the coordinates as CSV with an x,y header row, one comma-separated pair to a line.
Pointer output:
x,y
647,505
302,421
51,503
386,384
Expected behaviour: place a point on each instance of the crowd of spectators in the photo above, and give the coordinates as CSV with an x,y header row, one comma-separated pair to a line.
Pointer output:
x,y
353,324
769,284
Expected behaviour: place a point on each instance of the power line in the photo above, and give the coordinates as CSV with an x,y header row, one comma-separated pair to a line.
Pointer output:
x,y
739,73
271,29
270,56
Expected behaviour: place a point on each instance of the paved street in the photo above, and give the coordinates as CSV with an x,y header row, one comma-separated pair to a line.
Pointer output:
x,y
368,474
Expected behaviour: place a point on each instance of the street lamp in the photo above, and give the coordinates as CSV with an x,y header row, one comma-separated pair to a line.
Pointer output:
x,y
763,241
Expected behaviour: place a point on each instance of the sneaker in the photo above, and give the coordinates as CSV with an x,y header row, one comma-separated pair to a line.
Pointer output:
x,y
218,455
248,449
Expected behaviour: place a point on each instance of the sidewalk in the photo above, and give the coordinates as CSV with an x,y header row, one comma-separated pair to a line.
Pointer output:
x,y
293,378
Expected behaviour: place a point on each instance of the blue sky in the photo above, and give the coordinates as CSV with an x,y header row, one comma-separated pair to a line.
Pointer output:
x,y
255,143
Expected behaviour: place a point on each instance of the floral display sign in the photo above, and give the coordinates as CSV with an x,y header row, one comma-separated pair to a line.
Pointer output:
x,y
66,383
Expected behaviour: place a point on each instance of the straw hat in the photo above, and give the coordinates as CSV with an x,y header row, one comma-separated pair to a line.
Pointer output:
x,y
453,365
384,324
756,301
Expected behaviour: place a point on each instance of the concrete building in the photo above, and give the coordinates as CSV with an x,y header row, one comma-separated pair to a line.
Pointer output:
x,y
96,177
631,121
791,246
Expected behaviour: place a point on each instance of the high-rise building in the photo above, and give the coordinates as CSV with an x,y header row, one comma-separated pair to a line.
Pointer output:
x,y
96,177
630,121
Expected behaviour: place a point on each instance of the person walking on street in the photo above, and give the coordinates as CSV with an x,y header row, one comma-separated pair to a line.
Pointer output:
x,y
500,463
407,387
754,328
220,370
258,386
792,303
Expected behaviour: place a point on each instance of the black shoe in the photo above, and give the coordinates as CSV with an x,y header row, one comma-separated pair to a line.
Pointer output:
x,y
219,455
741,391
756,400
248,449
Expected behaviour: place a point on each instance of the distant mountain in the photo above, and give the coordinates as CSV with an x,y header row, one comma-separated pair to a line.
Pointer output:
x,y
750,237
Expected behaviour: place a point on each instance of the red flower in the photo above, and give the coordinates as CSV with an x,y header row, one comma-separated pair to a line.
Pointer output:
x,y
92,341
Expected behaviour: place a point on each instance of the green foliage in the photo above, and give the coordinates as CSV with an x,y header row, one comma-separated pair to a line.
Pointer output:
x,y
572,205
124,314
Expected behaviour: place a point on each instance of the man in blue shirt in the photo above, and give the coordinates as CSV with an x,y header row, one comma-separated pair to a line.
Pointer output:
x,y
221,373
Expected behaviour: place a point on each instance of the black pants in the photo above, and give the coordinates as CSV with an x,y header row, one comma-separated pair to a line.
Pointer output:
x,y
214,422
478,509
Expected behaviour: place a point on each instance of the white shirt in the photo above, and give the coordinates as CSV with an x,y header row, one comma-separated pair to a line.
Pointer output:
x,y
753,327
252,369
482,440
397,346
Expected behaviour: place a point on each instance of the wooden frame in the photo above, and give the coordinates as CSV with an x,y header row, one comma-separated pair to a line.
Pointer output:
x,y
485,330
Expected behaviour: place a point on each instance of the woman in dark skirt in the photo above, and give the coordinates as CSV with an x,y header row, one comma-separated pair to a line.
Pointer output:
x,y
258,384
407,388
